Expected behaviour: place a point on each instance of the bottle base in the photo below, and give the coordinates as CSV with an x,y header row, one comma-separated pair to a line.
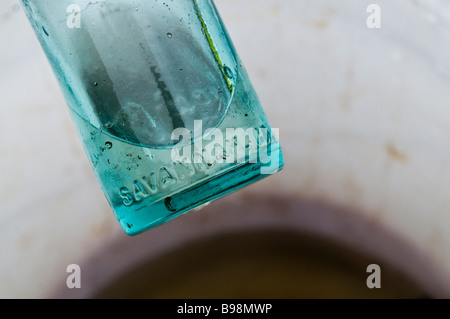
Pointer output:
x,y
184,201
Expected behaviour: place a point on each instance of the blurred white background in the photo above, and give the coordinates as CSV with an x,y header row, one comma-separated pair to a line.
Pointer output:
x,y
364,118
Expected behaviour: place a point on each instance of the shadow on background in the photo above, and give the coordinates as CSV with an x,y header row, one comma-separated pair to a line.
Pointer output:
x,y
259,264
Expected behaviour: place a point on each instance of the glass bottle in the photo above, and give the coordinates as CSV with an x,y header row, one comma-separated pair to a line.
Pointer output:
x,y
167,114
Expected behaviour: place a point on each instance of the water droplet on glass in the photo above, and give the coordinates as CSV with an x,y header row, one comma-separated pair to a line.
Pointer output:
x,y
45,31
228,72
169,204
108,145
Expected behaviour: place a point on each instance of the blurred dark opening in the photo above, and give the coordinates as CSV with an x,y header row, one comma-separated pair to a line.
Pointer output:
x,y
260,264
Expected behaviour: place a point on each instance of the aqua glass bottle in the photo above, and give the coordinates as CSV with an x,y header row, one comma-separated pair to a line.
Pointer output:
x,y
166,112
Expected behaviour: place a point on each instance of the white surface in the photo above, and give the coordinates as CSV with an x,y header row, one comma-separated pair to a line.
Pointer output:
x,y
364,119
